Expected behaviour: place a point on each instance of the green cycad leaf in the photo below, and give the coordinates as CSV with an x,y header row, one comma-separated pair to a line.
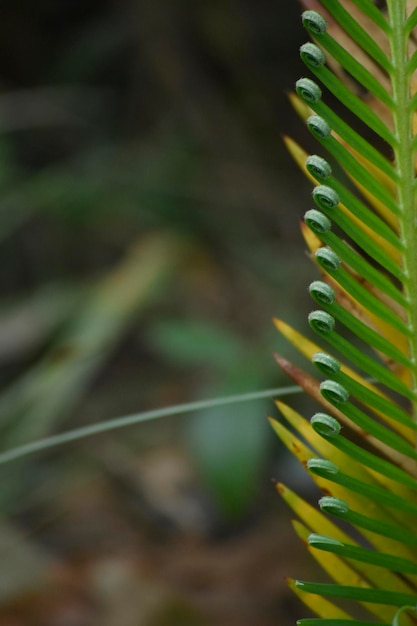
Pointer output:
x,y
363,236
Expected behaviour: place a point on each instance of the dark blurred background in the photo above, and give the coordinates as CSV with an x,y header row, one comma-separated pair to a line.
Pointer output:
x,y
149,232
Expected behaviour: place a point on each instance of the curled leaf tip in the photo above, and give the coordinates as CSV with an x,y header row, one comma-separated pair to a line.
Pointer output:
x,y
314,22
326,363
334,392
325,425
318,167
328,259
325,197
403,609
317,221
312,55
321,322
308,90
336,506
322,467
318,126
316,540
322,293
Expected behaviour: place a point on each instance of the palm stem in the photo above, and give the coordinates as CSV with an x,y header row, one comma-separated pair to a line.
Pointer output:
x,y
404,163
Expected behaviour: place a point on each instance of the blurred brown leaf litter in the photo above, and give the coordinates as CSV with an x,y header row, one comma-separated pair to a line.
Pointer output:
x,y
148,232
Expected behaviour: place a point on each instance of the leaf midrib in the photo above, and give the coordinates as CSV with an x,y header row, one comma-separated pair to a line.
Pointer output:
x,y
404,164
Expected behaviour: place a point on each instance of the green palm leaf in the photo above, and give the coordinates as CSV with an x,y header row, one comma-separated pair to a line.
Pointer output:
x,y
362,234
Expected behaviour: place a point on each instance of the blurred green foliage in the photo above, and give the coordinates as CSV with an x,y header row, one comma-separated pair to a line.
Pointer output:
x,y
147,224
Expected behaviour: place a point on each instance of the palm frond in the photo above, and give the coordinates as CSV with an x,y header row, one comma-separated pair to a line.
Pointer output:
x,y
362,234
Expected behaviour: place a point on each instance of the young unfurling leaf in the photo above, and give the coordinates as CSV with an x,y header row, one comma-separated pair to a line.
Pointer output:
x,y
359,100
